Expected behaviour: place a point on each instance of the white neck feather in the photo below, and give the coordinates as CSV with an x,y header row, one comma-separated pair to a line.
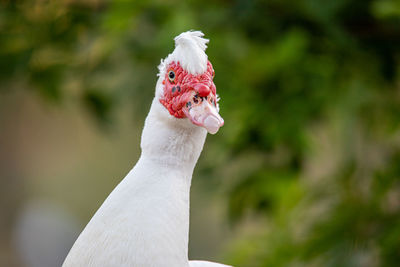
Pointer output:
x,y
145,220
171,141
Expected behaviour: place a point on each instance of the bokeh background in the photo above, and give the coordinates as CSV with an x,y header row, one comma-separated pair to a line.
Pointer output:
x,y
305,171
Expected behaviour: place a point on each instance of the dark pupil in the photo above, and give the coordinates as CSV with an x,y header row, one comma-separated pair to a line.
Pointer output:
x,y
171,75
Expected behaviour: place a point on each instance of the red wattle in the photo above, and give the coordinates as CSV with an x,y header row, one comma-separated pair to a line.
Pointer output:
x,y
178,91
202,89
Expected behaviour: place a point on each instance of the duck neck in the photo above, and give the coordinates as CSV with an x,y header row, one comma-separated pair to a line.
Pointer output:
x,y
169,141
170,148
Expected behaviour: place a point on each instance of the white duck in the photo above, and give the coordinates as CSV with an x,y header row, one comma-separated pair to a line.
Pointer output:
x,y
145,220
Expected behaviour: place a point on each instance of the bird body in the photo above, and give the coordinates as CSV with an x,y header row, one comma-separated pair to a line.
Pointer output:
x,y
145,220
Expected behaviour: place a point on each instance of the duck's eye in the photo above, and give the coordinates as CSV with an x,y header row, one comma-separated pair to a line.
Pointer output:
x,y
171,76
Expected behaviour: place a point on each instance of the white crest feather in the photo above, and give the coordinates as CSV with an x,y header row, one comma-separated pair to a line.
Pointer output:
x,y
189,51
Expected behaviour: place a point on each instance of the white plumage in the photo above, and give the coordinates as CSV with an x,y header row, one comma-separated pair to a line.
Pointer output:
x,y
189,51
145,220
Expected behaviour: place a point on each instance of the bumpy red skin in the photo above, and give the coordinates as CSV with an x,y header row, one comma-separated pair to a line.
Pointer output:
x,y
187,90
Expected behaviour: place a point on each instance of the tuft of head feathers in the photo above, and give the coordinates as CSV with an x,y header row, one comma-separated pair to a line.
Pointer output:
x,y
189,52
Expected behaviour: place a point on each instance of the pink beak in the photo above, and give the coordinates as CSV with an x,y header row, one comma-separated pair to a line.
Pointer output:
x,y
205,115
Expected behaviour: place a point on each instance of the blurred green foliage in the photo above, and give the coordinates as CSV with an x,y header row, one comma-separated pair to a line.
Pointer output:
x,y
310,92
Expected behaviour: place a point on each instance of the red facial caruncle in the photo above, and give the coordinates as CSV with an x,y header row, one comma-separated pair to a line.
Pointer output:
x,y
180,87
192,96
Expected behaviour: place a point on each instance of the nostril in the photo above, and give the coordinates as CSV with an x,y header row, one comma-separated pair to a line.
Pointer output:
x,y
202,89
